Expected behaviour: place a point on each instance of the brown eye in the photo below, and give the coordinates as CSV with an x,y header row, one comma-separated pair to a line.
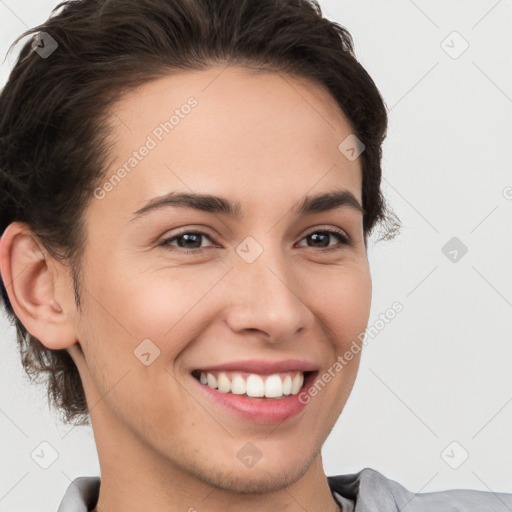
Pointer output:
x,y
321,238
185,240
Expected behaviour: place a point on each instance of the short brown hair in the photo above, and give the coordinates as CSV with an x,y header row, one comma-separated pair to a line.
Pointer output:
x,y
53,116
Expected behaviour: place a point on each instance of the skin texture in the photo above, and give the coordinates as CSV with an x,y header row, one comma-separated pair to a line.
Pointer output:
x,y
265,140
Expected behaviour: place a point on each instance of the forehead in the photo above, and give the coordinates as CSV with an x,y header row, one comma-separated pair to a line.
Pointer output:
x,y
228,131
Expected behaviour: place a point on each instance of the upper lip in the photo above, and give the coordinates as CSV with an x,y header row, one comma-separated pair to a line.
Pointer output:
x,y
263,367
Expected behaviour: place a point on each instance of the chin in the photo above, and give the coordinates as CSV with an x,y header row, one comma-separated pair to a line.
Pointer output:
x,y
260,479
262,483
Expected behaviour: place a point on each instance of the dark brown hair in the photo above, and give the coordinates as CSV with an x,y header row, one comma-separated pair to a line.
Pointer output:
x,y
54,115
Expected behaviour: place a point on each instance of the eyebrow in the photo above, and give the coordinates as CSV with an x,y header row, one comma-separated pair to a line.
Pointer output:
x,y
219,205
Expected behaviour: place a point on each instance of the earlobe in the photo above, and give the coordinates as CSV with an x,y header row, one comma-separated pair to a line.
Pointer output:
x,y
30,280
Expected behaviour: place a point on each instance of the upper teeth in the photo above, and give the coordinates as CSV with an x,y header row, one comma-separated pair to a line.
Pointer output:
x,y
254,385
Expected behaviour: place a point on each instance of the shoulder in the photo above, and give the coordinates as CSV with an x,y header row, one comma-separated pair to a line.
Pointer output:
x,y
374,492
81,495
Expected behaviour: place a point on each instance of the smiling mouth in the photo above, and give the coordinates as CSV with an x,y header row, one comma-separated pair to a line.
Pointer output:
x,y
253,385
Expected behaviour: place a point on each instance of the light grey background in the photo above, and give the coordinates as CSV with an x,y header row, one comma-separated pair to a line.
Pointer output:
x,y
440,371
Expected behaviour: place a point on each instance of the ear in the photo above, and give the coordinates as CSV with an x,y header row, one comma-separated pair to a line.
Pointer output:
x,y
30,277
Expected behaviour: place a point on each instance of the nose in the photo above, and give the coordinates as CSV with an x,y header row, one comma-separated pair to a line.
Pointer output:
x,y
266,297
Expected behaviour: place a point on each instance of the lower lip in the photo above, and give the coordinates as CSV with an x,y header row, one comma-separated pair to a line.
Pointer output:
x,y
259,410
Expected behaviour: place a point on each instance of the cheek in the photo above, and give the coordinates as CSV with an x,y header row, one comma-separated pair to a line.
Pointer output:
x,y
154,303
344,304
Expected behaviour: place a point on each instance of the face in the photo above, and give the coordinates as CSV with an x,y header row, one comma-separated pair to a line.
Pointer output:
x,y
187,295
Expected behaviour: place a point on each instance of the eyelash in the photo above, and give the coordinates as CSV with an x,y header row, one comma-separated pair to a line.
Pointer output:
x,y
343,240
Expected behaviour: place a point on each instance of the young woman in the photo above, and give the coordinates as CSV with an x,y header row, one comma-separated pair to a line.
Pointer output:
x,y
188,187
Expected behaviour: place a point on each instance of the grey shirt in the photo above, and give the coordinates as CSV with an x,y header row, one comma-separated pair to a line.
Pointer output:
x,y
365,491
